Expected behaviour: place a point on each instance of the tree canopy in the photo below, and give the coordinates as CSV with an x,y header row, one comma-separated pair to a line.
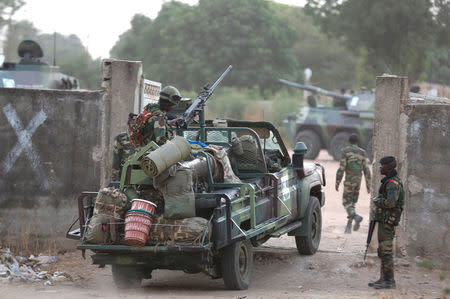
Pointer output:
x,y
7,9
186,45
394,35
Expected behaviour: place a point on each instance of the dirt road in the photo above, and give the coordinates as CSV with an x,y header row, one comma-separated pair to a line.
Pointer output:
x,y
335,271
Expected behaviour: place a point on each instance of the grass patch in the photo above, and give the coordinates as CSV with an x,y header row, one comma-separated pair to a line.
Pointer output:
x,y
427,264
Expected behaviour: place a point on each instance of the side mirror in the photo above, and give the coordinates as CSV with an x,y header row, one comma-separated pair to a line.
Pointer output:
x,y
299,153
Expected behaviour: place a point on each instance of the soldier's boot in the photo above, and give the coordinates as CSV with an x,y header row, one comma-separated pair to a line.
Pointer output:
x,y
388,282
348,228
372,283
358,220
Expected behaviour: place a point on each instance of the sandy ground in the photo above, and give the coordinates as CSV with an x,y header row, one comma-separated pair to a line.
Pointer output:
x,y
335,271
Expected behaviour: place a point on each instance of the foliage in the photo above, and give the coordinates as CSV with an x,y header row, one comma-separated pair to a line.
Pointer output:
x,y
332,65
71,56
427,264
438,70
395,34
186,44
229,103
442,23
7,10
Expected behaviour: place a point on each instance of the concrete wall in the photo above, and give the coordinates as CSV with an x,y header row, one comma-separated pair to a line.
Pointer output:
x,y
428,189
122,82
55,144
50,150
418,135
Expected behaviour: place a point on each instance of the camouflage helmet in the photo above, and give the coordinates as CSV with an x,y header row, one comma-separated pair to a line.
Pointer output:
x,y
170,94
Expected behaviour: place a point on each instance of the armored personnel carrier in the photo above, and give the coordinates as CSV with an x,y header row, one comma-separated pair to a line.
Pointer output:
x,y
262,192
329,128
31,72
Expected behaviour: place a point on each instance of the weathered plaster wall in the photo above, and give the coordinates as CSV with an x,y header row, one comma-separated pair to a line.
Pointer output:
x,y
50,149
428,184
55,144
122,82
418,136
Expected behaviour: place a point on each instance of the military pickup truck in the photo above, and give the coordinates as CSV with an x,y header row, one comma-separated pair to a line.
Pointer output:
x,y
275,194
267,204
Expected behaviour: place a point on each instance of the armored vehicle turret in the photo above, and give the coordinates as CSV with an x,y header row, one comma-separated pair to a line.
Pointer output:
x,y
31,72
329,127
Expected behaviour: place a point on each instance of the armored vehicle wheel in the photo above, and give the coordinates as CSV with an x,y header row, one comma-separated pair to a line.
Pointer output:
x,y
127,277
310,243
337,143
237,265
312,142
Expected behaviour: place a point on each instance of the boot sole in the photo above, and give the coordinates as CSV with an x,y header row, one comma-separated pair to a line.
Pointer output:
x,y
384,287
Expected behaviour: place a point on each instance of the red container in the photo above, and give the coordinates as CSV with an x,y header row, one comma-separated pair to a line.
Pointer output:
x,y
138,222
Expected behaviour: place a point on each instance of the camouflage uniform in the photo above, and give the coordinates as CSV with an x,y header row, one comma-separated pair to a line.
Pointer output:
x,y
388,209
353,163
122,150
155,127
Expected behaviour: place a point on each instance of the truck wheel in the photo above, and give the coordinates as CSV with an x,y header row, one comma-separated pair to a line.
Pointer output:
x,y
126,277
310,243
237,265
337,143
312,142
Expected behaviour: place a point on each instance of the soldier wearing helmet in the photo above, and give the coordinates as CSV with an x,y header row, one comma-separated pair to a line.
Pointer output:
x,y
152,124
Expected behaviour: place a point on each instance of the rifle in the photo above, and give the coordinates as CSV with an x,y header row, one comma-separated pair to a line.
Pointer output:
x,y
197,105
369,236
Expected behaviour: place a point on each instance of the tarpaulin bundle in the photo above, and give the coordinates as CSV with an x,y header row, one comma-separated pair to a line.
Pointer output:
x,y
173,151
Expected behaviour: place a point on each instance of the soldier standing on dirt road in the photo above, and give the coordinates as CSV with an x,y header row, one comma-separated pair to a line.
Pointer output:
x,y
388,210
352,163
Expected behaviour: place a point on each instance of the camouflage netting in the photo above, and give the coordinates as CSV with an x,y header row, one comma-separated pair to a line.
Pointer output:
x,y
249,160
179,231
109,210
111,201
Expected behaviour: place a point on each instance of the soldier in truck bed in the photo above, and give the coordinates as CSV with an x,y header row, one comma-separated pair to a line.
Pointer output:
x,y
121,151
353,163
151,125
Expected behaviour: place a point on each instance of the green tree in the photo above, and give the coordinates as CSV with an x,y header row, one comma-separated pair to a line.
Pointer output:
x,y
186,45
7,9
395,34
332,64
438,70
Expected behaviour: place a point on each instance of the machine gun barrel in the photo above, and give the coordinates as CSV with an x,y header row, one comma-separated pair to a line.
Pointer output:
x,y
315,89
203,96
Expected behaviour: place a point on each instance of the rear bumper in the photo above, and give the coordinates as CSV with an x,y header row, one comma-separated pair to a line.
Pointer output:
x,y
154,257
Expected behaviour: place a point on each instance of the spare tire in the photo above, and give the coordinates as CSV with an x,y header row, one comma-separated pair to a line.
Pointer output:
x,y
337,144
312,142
